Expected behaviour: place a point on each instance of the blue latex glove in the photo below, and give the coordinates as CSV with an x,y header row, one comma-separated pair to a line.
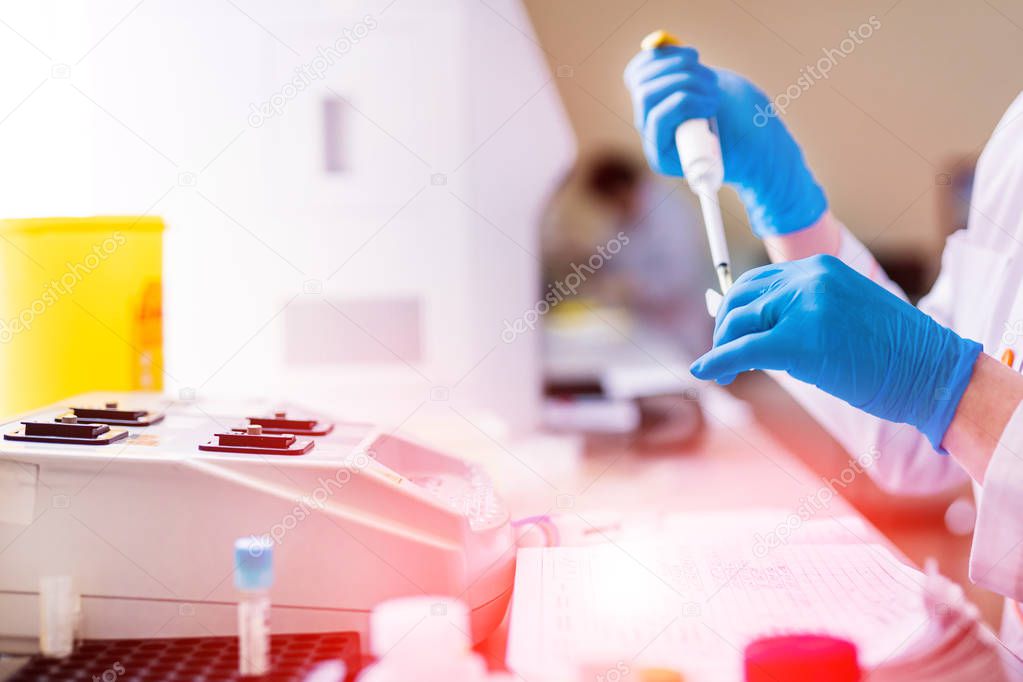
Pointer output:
x,y
827,325
669,85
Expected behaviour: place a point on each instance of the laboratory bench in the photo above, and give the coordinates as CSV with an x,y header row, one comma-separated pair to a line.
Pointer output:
x,y
735,465
590,490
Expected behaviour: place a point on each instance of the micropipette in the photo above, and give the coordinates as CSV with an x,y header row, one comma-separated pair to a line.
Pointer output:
x,y
699,152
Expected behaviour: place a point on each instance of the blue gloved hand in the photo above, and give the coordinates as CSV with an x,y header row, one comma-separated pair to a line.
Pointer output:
x,y
669,85
827,325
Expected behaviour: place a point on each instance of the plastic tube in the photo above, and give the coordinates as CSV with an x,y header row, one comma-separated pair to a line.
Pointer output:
x,y
58,616
253,576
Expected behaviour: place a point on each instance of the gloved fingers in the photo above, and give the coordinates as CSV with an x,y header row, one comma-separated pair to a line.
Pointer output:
x,y
664,162
741,321
724,381
673,67
649,93
749,288
761,350
762,272
650,63
660,125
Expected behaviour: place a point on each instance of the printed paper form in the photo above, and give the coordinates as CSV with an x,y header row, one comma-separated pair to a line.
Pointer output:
x,y
694,608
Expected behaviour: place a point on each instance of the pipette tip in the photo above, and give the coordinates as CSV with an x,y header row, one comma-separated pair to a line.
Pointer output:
x,y
724,277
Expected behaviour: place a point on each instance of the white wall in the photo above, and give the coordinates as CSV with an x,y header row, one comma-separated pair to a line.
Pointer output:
x,y
452,135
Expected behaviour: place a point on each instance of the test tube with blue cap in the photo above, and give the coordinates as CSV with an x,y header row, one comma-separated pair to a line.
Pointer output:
x,y
253,576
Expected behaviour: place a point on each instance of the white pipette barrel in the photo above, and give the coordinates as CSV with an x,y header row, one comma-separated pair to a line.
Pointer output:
x,y
716,237
699,153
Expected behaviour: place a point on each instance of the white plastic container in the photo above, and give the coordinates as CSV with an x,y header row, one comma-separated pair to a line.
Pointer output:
x,y
425,639
58,616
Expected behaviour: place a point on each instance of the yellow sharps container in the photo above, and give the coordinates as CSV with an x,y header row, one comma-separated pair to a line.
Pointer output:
x,y
80,307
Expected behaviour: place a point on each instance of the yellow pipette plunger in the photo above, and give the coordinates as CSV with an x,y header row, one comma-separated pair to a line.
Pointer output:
x,y
699,152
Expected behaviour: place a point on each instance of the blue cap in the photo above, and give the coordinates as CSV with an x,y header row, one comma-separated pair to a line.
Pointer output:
x,y
253,563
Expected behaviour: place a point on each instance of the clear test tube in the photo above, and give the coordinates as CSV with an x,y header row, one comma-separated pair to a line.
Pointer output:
x,y
253,576
58,616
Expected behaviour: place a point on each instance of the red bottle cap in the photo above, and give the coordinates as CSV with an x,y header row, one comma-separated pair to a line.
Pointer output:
x,y
801,658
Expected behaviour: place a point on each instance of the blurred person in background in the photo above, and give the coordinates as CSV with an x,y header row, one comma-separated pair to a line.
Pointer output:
x,y
625,268
614,237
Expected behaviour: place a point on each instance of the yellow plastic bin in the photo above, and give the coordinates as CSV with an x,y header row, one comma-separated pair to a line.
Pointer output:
x,y
80,307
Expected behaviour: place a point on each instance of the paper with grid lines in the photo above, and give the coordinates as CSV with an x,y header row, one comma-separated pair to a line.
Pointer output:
x,y
694,608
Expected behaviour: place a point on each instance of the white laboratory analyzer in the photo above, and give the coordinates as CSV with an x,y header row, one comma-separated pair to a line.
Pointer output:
x,y
140,499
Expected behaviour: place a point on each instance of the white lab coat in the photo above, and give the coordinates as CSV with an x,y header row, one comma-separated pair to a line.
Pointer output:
x,y
978,294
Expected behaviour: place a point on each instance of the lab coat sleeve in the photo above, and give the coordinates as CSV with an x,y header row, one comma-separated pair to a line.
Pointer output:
x,y
996,559
896,456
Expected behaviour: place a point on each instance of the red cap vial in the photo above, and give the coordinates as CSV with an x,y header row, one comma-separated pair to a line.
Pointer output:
x,y
801,658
